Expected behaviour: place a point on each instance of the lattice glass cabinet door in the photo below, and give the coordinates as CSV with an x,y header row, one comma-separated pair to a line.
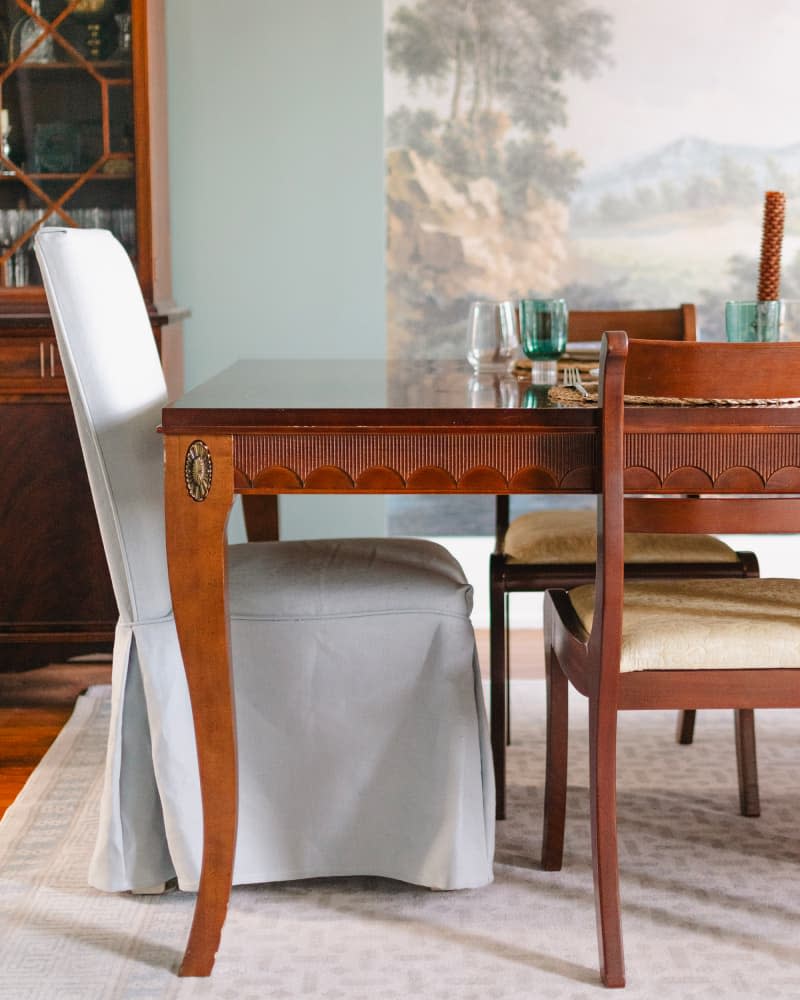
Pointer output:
x,y
67,126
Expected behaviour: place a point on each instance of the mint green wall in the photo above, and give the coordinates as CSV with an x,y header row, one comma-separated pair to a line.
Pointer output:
x,y
276,186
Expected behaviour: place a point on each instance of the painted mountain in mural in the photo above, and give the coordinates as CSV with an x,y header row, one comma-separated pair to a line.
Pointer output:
x,y
681,222
688,173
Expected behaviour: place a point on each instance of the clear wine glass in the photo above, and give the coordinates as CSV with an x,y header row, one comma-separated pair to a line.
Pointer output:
x,y
492,338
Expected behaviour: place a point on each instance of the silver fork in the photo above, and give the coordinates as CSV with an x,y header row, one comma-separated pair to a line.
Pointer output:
x,y
572,380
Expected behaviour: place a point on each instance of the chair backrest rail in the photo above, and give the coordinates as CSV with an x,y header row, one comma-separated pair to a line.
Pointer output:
x,y
721,515
712,370
678,324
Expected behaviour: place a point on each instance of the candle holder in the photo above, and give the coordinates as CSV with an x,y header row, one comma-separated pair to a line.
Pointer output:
x,y
769,275
95,14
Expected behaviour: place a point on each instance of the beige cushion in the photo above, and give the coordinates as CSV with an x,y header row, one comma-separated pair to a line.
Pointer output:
x,y
705,624
568,536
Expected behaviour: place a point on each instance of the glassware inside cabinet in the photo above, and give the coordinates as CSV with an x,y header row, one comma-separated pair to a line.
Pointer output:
x,y
66,125
30,38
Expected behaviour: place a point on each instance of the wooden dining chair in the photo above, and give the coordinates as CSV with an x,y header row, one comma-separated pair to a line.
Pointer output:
x,y
556,548
660,644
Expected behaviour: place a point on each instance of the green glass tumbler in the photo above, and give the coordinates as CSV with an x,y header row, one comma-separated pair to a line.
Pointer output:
x,y
753,322
543,335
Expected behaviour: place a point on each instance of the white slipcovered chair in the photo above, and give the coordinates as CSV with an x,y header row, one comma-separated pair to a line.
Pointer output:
x,y
362,741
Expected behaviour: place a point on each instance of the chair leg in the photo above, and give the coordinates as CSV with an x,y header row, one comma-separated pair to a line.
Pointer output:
x,y
498,687
605,860
555,786
507,632
745,728
685,731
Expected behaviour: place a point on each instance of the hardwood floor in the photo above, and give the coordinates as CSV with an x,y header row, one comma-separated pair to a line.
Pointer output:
x,y
35,705
527,653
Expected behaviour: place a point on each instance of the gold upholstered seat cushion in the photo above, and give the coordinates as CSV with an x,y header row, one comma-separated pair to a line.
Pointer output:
x,y
569,536
705,624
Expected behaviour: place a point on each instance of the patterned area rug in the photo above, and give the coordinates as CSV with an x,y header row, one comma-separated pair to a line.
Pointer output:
x,y
711,901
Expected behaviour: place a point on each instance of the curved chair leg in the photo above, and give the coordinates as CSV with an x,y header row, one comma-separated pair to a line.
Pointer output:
x,y
685,731
605,861
745,728
555,787
498,687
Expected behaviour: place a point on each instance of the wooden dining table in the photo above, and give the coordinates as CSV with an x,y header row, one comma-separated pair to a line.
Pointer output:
x,y
370,426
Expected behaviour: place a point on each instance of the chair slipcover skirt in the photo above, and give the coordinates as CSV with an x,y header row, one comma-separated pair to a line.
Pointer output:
x,y
384,771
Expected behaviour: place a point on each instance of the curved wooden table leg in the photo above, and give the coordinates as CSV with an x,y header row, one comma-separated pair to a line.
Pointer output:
x,y
196,554
260,517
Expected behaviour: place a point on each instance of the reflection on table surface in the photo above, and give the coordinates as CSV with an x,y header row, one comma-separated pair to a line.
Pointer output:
x,y
292,385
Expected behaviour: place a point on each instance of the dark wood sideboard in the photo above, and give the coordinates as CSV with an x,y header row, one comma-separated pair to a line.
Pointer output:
x,y
56,600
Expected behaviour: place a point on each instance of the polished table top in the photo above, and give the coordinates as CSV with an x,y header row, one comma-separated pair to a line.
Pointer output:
x,y
425,393
421,393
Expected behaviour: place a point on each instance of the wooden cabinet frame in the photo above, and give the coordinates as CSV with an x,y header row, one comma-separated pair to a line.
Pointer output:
x,y
55,594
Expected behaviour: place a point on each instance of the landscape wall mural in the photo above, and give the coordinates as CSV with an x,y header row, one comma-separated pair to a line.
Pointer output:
x,y
613,152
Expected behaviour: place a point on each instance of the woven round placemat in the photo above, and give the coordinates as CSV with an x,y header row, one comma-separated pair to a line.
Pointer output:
x,y
568,396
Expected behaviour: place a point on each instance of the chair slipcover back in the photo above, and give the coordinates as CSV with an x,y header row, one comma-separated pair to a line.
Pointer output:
x,y
117,405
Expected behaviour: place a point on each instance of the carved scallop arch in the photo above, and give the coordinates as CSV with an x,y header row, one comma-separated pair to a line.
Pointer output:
x,y
717,455
428,461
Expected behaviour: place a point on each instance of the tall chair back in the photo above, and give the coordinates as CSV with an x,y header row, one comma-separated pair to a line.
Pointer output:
x,y
117,390
646,324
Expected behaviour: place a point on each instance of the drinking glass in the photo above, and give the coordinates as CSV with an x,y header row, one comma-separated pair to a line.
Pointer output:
x,y
543,332
752,321
123,226
492,337
790,320
123,51
5,243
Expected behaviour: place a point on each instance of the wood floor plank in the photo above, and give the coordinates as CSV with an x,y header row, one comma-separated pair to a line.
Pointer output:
x,y
527,653
34,706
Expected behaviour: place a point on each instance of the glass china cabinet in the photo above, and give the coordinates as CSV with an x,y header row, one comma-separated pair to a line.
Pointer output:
x,y
83,142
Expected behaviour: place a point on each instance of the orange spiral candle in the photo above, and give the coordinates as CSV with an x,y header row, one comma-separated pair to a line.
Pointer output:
x,y
769,275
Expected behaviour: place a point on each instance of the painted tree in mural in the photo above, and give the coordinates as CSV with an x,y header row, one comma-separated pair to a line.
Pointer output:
x,y
485,82
503,63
